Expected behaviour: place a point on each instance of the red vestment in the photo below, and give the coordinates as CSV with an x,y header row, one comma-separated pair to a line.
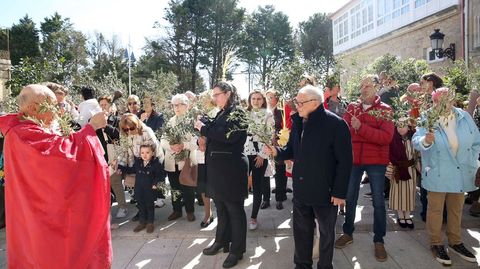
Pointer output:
x,y
57,195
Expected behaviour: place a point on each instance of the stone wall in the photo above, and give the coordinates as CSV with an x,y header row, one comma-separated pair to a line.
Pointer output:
x,y
411,41
474,10
5,66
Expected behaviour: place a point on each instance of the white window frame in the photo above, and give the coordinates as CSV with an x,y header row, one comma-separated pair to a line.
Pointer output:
x,y
476,31
340,25
419,3
436,60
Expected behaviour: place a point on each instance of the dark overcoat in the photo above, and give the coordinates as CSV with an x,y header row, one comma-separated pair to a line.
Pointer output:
x,y
227,165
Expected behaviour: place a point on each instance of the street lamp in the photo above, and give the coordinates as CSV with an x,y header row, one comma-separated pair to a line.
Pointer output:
x,y
436,41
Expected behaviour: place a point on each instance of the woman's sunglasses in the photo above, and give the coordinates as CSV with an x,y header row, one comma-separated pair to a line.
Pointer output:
x,y
129,129
132,103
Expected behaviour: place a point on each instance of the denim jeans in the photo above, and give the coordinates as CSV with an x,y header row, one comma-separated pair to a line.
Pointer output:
x,y
376,175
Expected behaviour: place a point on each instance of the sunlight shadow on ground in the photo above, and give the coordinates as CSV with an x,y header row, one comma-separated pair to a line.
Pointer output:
x,y
258,253
285,224
193,262
358,214
168,226
197,241
277,242
143,263
248,201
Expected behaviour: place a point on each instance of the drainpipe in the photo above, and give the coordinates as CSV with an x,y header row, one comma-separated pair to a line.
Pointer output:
x,y
465,22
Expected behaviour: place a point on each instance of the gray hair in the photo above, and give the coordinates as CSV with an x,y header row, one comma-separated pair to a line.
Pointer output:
x,y
313,92
33,93
179,99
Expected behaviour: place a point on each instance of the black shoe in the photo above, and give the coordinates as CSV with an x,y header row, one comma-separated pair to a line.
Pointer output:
x,y
279,205
365,180
265,204
289,190
410,224
200,203
463,252
402,223
274,190
133,201
204,224
440,255
213,249
232,260
136,217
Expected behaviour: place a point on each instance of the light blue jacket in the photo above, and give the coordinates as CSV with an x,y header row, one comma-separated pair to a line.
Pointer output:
x,y
441,170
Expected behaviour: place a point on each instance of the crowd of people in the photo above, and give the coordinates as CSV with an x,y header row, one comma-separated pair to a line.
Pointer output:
x,y
367,141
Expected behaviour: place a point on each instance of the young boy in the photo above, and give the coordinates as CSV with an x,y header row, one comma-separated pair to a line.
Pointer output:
x,y
148,172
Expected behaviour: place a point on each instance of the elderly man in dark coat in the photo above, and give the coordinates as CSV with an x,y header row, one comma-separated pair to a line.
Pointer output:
x,y
321,148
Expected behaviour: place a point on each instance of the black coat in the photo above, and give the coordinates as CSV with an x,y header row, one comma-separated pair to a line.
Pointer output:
x,y
227,165
111,130
145,175
155,121
322,158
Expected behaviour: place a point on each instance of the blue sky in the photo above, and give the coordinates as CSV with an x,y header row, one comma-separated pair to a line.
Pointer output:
x,y
133,20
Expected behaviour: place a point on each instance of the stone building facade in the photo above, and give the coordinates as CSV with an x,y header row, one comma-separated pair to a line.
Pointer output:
x,y
402,28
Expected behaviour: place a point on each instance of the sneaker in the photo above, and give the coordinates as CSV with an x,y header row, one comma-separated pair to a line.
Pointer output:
x,y
463,252
380,252
343,241
253,225
440,255
159,203
121,213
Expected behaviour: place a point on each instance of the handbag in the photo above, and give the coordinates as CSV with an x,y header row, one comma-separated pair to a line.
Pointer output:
x,y
188,175
130,180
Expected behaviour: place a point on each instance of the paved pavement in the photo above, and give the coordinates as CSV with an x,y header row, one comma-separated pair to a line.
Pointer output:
x,y
179,244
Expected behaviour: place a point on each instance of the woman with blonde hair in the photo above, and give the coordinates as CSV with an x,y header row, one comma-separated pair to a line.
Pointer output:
x,y
134,133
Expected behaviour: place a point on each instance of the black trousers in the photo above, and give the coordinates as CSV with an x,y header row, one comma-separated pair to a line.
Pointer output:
x,y
303,228
258,178
145,197
280,181
266,189
187,193
232,225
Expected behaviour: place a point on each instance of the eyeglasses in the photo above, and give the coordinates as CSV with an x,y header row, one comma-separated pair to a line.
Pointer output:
x,y
129,129
215,95
132,103
300,104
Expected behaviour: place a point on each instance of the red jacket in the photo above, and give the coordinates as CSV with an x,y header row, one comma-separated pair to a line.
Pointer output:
x,y
371,141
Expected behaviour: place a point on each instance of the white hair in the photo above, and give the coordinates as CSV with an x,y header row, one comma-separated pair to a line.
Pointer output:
x,y
33,93
313,92
179,99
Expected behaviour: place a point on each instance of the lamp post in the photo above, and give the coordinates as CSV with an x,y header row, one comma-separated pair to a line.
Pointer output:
x,y
436,41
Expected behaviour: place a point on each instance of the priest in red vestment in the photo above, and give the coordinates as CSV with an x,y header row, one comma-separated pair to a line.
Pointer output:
x,y
56,187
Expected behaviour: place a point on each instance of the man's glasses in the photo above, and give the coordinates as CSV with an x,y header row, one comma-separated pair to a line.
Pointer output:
x,y
132,103
301,103
129,129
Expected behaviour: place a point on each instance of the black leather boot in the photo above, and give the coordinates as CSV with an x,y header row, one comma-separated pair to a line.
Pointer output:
x,y
213,249
232,260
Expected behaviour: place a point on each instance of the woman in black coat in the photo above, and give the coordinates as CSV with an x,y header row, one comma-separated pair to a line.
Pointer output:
x,y
227,173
